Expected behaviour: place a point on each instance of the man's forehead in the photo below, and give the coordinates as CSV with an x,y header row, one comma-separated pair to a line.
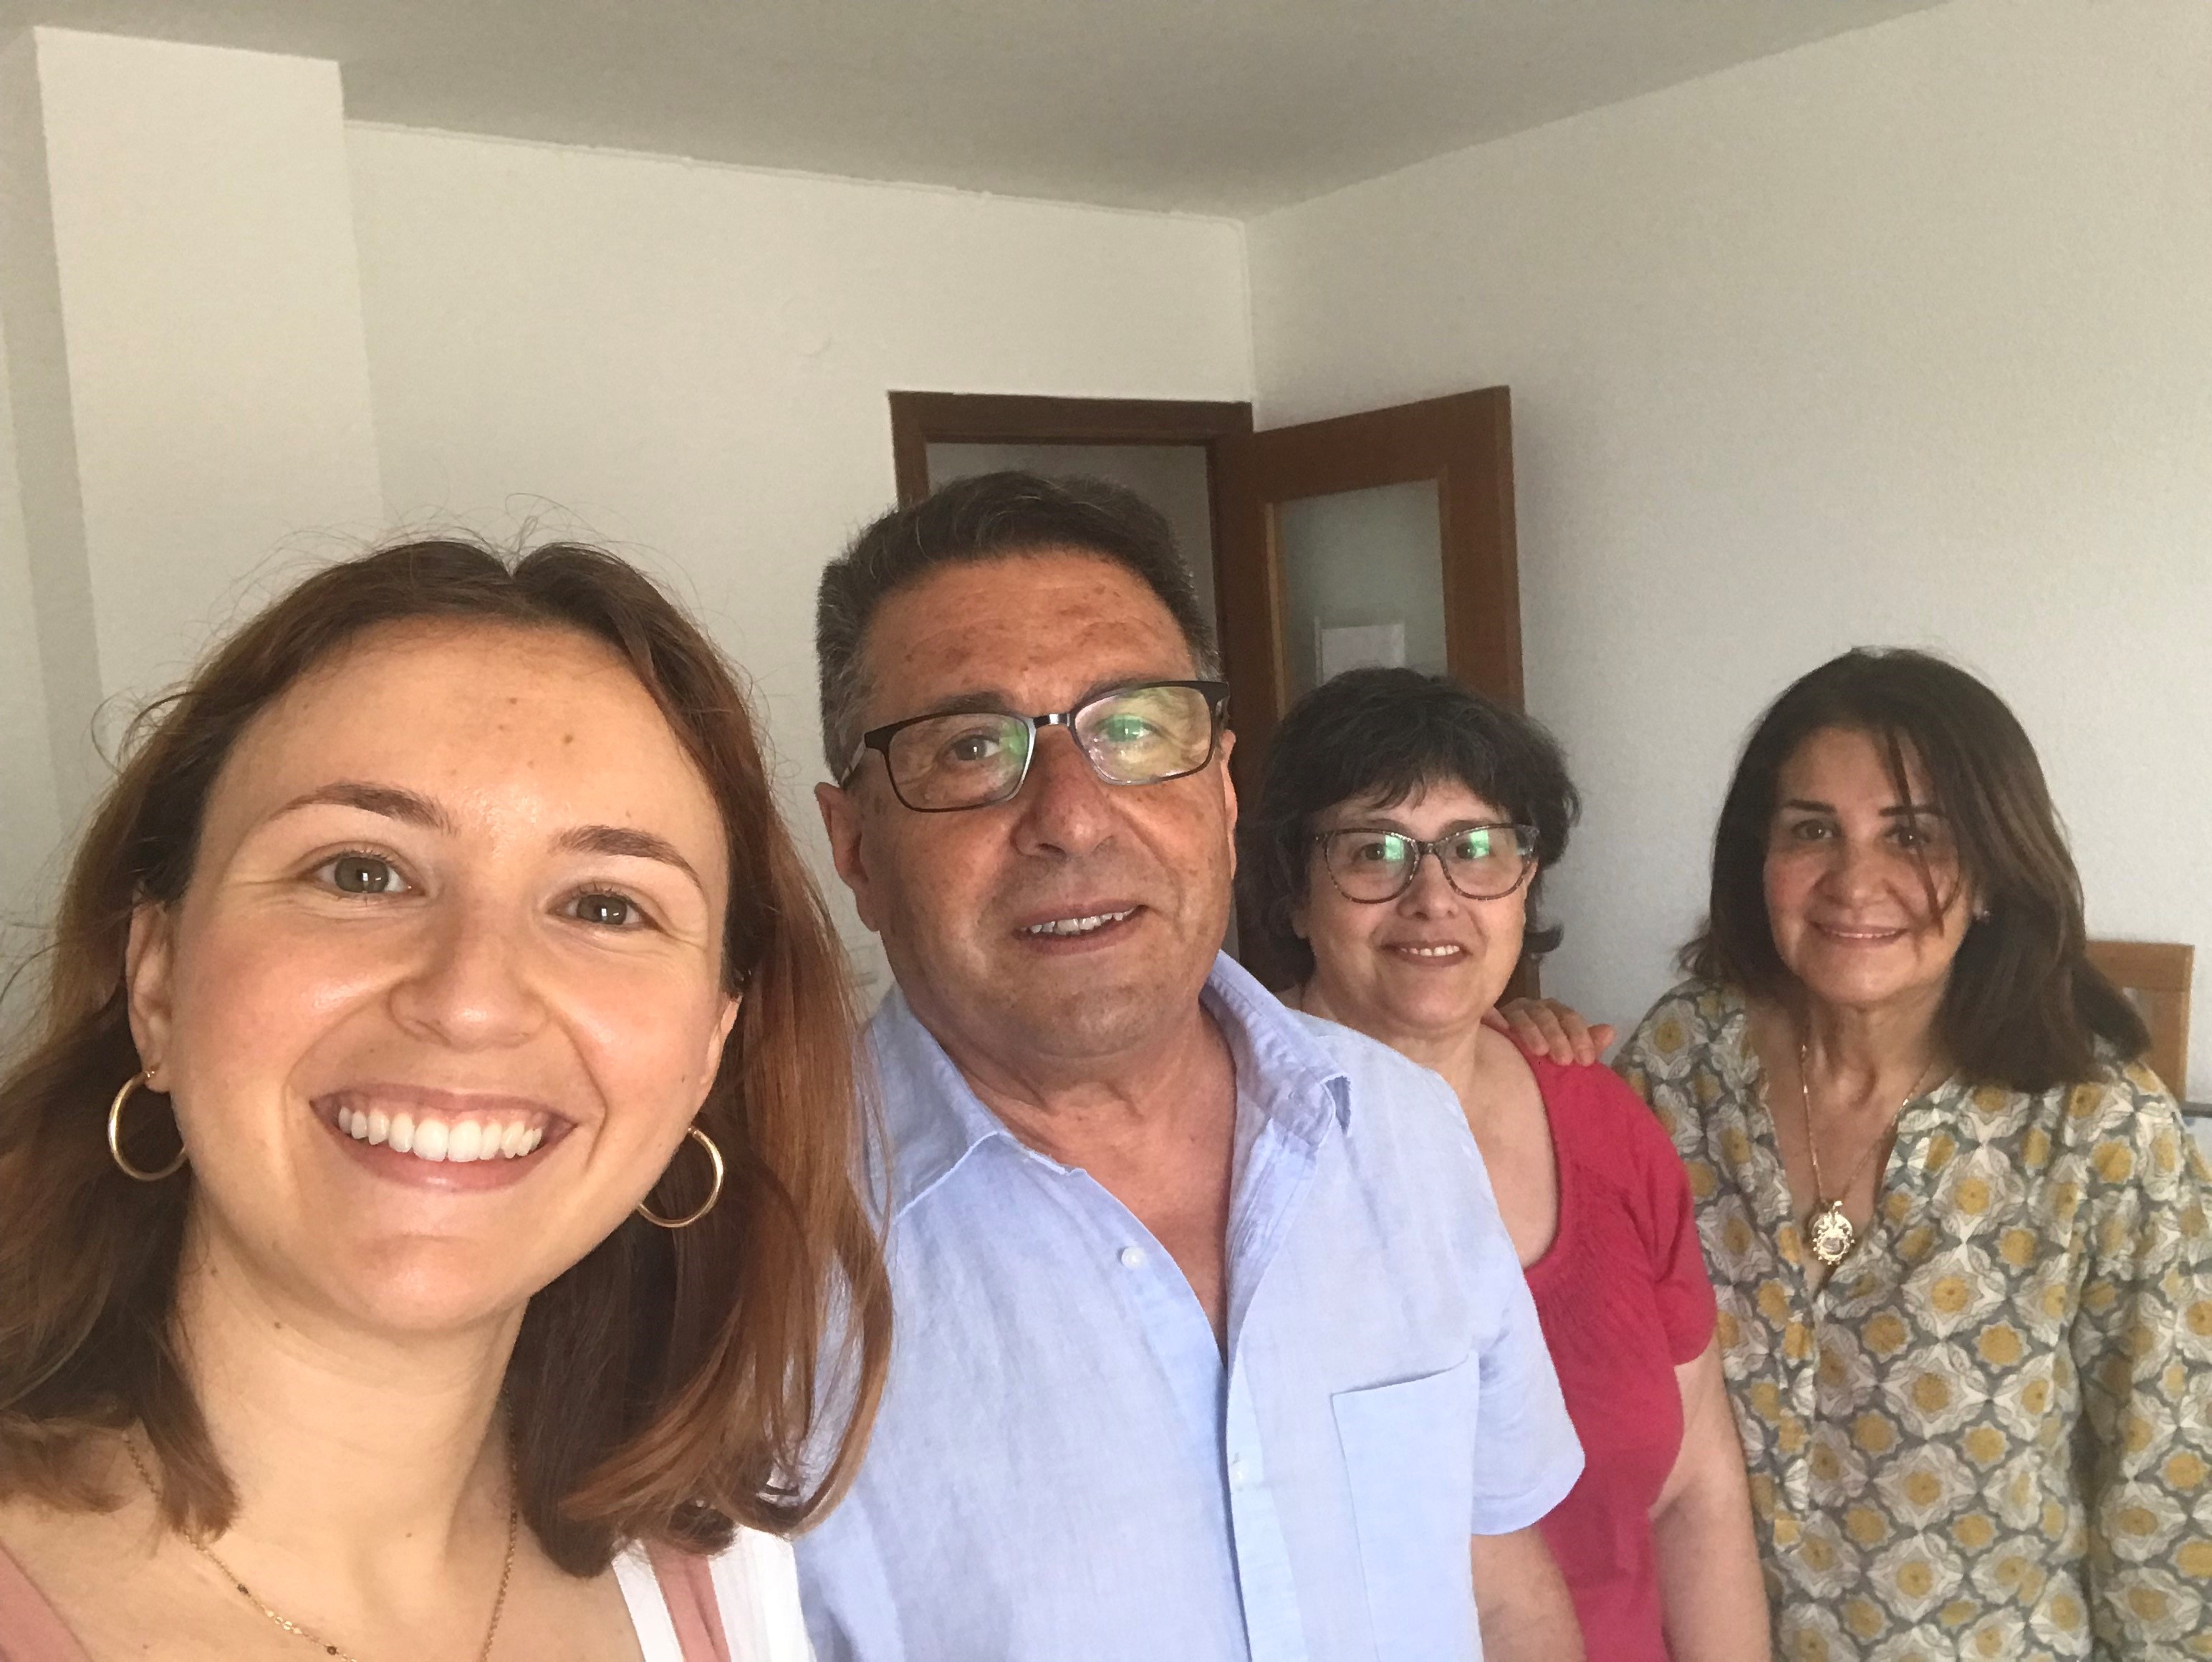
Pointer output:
x,y
1050,626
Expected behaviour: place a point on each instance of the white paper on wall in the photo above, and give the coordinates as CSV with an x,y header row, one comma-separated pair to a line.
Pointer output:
x,y
1361,646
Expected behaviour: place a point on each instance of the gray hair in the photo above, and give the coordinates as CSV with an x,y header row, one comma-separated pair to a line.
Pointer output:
x,y
990,516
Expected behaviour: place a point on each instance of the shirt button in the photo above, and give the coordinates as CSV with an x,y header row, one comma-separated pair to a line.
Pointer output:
x,y
1133,1258
1236,1472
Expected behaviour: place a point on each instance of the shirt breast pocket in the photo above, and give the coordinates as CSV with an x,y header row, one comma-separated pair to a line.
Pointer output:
x,y
1409,1454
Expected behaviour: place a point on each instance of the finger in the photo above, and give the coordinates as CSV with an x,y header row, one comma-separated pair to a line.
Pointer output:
x,y
1589,1040
1573,1038
1521,1020
1564,1044
1543,1033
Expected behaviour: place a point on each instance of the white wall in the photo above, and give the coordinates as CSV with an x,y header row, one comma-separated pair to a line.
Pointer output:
x,y
692,361
186,387
1903,338
217,391
30,815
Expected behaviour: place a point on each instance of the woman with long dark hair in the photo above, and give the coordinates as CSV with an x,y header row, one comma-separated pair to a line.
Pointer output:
x,y
1958,1229
428,1196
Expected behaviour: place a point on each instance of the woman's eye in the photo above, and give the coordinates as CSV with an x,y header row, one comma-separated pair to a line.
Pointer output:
x,y
363,873
1381,851
1807,831
608,912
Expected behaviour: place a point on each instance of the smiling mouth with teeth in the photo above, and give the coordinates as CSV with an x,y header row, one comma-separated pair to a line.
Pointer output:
x,y
1059,925
1446,951
440,1139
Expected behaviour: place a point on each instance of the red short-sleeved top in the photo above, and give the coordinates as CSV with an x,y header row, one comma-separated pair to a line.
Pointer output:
x,y
1623,1298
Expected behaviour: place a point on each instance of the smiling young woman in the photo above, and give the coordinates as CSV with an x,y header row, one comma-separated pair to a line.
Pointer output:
x,y
427,1198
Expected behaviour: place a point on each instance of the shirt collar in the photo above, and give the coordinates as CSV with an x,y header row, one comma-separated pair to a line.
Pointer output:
x,y
934,1121
1283,1068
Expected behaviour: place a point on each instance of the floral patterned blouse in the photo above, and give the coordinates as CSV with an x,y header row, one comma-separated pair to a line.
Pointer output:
x,y
1990,1432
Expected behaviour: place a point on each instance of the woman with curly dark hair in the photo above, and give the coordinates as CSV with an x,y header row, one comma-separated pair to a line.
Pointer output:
x,y
1394,860
427,1198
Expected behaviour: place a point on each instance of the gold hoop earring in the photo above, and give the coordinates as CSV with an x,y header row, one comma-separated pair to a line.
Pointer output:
x,y
705,1206
115,1137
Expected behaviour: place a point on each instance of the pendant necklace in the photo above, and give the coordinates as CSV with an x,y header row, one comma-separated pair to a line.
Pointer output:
x,y
498,1606
1830,1232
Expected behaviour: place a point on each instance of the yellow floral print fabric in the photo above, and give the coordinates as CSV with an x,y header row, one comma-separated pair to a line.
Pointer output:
x,y
1989,1434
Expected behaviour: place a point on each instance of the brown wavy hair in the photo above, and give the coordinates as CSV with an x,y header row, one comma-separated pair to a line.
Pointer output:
x,y
667,1388
2024,1006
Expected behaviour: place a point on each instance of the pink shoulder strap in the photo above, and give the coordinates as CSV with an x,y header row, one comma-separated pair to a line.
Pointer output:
x,y
687,1582
31,1631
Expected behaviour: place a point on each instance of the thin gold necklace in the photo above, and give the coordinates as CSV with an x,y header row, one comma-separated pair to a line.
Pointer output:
x,y
498,1603
1832,1233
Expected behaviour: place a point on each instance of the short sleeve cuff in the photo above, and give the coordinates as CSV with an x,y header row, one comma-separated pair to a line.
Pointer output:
x,y
1501,1514
1689,1320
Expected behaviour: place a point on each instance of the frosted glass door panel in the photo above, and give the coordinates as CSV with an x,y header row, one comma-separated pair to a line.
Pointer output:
x,y
1363,582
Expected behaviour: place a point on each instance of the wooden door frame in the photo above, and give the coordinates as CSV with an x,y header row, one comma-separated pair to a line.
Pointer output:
x,y
1408,444
921,419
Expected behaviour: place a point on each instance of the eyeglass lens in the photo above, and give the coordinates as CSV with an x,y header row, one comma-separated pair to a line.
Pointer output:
x,y
1482,862
1138,736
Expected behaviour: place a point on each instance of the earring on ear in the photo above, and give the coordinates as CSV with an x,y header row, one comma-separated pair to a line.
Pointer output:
x,y
115,1134
714,1194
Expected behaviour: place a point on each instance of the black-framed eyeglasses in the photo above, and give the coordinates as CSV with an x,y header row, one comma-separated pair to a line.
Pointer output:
x,y
1481,862
1143,735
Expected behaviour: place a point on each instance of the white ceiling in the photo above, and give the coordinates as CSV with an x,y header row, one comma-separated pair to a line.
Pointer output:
x,y
1216,106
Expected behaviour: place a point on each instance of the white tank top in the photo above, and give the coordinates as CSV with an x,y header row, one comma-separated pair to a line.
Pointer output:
x,y
756,1586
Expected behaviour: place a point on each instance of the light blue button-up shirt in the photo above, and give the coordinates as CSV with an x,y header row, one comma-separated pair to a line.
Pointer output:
x,y
1068,1467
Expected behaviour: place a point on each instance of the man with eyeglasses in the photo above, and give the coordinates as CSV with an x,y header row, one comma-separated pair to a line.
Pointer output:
x,y
1209,1340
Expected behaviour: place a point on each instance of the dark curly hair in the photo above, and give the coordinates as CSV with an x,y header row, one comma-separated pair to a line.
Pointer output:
x,y
1380,734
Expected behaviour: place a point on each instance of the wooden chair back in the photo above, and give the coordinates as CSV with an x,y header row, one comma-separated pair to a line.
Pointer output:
x,y
2155,976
